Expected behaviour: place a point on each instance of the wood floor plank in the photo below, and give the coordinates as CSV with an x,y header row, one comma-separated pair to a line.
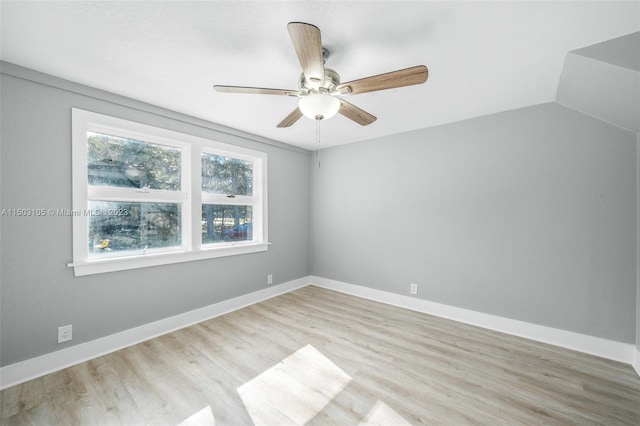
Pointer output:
x,y
400,364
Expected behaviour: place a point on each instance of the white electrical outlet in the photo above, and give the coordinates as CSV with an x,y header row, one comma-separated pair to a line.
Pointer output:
x,y
269,279
65,333
413,289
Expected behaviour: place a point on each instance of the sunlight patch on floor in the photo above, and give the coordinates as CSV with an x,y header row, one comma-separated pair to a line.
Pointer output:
x,y
203,417
383,415
293,391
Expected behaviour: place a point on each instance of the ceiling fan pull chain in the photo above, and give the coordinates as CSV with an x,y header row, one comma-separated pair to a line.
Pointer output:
x,y
318,139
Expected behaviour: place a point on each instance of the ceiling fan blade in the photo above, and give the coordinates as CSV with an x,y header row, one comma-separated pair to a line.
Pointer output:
x,y
255,90
356,114
290,119
390,80
308,46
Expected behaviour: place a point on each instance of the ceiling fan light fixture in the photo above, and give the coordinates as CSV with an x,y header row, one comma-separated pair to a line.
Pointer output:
x,y
319,106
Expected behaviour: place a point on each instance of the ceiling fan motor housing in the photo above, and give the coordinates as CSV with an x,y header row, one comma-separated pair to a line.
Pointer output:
x,y
331,81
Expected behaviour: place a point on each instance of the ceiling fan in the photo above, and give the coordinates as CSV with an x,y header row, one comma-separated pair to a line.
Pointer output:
x,y
319,87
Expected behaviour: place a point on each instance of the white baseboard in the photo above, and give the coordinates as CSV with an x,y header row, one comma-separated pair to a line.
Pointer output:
x,y
617,351
23,371
636,360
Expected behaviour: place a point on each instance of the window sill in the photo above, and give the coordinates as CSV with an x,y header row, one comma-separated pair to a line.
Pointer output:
x,y
100,266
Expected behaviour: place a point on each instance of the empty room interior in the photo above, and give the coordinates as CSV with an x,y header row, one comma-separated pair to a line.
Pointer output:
x,y
319,212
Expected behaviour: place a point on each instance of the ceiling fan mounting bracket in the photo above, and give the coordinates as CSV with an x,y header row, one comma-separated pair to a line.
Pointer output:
x,y
325,54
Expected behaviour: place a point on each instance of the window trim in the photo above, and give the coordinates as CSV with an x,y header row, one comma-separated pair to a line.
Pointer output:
x,y
190,195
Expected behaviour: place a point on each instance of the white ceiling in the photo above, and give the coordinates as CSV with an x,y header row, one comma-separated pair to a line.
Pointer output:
x,y
483,57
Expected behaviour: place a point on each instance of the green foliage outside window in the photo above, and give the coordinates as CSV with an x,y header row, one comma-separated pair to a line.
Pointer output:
x,y
128,163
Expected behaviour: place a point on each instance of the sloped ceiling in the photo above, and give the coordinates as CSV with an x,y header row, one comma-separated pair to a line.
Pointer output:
x,y
603,81
483,57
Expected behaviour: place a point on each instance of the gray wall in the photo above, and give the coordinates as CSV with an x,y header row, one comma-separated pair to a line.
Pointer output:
x,y
603,81
39,292
638,251
528,214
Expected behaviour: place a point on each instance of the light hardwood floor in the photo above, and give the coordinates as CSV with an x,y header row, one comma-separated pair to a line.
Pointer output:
x,y
323,357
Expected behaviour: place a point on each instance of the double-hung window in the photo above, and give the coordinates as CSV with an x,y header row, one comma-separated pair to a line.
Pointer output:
x,y
145,196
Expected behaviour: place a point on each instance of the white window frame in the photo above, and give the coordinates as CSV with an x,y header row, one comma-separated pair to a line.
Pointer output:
x,y
190,196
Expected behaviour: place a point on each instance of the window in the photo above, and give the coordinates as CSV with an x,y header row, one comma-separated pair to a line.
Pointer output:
x,y
227,198
145,196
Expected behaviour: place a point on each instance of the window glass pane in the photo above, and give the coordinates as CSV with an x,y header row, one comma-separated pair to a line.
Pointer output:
x,y
224,175
222,223
128,163
129,226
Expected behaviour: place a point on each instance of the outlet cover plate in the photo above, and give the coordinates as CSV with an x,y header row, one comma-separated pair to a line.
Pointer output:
x,y
65,333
